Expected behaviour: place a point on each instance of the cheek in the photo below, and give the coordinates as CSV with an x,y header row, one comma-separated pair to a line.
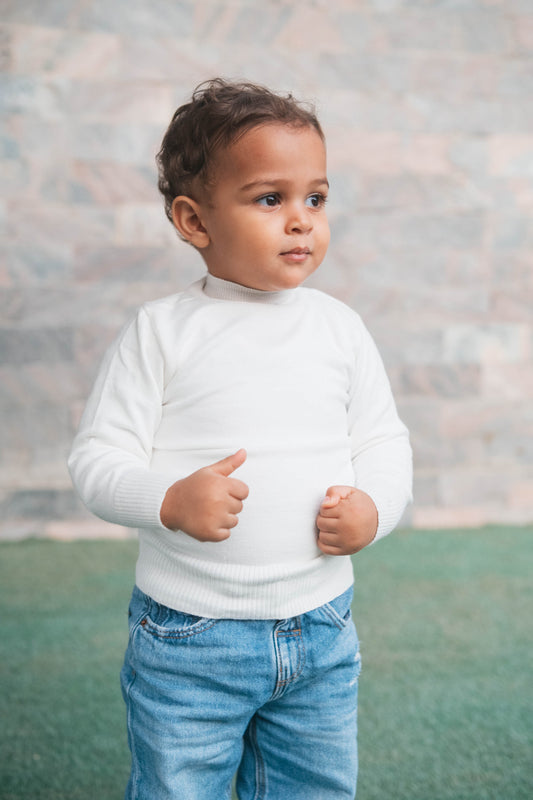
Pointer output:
x,y
324,235
265,234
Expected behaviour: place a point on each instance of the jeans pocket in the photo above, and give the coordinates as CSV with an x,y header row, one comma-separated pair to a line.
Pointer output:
x,y
166,623
339,610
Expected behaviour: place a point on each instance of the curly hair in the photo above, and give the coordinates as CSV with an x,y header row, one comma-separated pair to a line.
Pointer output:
x,y
218,113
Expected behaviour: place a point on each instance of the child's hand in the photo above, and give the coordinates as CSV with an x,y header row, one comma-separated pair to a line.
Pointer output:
x,y
205,505
347,521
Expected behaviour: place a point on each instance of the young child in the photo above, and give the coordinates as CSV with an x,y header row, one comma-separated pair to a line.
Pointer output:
x,y
247,428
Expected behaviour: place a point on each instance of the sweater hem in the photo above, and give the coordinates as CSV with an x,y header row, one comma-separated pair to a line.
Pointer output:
x,y
239,591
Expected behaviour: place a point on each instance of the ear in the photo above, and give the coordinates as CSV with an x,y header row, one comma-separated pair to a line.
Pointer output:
x,y
187,217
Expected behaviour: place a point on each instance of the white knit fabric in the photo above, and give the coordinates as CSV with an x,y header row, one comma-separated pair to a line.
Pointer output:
x,y
295,379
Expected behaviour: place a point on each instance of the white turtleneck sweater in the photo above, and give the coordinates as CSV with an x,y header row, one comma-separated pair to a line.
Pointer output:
x,y
295,379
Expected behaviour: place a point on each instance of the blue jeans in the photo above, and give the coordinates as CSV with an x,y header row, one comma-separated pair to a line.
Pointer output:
x,y
274,701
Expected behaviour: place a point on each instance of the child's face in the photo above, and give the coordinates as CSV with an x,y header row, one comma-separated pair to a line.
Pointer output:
x,y
265,218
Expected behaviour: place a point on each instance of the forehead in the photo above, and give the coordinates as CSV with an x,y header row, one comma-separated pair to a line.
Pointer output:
x,y
273,150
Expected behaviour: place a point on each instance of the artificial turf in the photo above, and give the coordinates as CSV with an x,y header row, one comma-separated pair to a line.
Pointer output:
x,y
446,694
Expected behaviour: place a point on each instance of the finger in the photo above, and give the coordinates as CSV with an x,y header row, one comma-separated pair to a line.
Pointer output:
x,y
331,550
238,489
231,521
222,534
235,506
336,493
329,538
229,464
329,513
326,524
329,502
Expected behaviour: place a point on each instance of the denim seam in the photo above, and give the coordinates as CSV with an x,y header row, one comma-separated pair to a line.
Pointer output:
x,y
150,627
135,768
282,683
334,616
260,773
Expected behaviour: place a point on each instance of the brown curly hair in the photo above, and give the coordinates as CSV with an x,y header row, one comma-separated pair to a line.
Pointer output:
x,y
217,114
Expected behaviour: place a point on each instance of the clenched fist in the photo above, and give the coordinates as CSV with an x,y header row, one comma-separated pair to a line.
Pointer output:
x,y
347,521
206,504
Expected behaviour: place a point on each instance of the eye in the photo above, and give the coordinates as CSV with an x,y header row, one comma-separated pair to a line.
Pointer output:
x,y
268,200
316,200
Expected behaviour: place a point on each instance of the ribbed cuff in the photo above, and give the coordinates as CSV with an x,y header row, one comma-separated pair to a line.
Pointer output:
x,y
390,508
139,497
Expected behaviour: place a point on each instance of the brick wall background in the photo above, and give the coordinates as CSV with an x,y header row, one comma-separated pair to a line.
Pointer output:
x,y
427,105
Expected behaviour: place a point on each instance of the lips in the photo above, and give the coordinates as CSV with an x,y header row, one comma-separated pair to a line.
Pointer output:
x,y
296,255
297,251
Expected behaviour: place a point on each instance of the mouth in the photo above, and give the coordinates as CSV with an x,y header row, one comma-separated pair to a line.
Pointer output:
x,y
296,254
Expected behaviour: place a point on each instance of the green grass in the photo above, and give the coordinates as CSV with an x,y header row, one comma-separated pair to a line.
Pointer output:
x,y
446,708
446,693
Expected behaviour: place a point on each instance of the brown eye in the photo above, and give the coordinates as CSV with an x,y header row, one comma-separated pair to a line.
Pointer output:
x,y
269,200
316,200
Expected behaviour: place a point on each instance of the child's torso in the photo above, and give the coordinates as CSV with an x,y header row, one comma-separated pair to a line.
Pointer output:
x,y
274,380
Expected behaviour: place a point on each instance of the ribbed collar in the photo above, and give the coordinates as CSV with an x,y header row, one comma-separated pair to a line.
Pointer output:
x,y
219,289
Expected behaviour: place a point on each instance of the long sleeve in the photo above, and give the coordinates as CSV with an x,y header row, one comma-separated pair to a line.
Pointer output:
x,y
381,453
110,457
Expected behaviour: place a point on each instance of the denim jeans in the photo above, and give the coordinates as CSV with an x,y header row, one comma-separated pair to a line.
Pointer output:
x,y
274,701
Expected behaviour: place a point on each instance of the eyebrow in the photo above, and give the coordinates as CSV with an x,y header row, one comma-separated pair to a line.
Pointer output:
x,y
267,182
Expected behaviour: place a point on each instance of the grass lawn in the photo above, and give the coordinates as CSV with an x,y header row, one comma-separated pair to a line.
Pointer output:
x,y
446,692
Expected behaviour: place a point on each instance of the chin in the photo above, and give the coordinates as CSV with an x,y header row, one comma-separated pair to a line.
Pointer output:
x,y
295,280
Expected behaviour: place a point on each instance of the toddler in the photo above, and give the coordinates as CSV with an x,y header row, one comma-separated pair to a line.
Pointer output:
x,y
246,427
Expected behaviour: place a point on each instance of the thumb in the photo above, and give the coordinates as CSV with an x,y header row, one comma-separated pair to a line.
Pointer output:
x,y
334,494
229,464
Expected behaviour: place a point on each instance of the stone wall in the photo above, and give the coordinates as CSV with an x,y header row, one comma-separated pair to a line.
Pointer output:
x,y
428,112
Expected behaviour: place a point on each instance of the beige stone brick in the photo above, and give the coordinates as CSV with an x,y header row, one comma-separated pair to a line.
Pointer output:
x,y
510,382
451,76
70,530
511,155
108,183
513,305
426,489
433,194
521,495
523,31
143,224
486,343
379,153
512,270
477,486
439,380
310,28
484,418
62,222
435,517
60,53
119,143
427,155
114,101
129,263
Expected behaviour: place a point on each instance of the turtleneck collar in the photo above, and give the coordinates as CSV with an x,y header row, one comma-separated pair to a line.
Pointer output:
x,y
219,289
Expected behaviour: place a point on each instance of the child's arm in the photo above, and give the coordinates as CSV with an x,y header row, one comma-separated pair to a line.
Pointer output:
x,y
351,517
110,461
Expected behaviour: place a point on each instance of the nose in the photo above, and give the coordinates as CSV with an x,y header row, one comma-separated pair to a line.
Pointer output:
x,y
299,220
